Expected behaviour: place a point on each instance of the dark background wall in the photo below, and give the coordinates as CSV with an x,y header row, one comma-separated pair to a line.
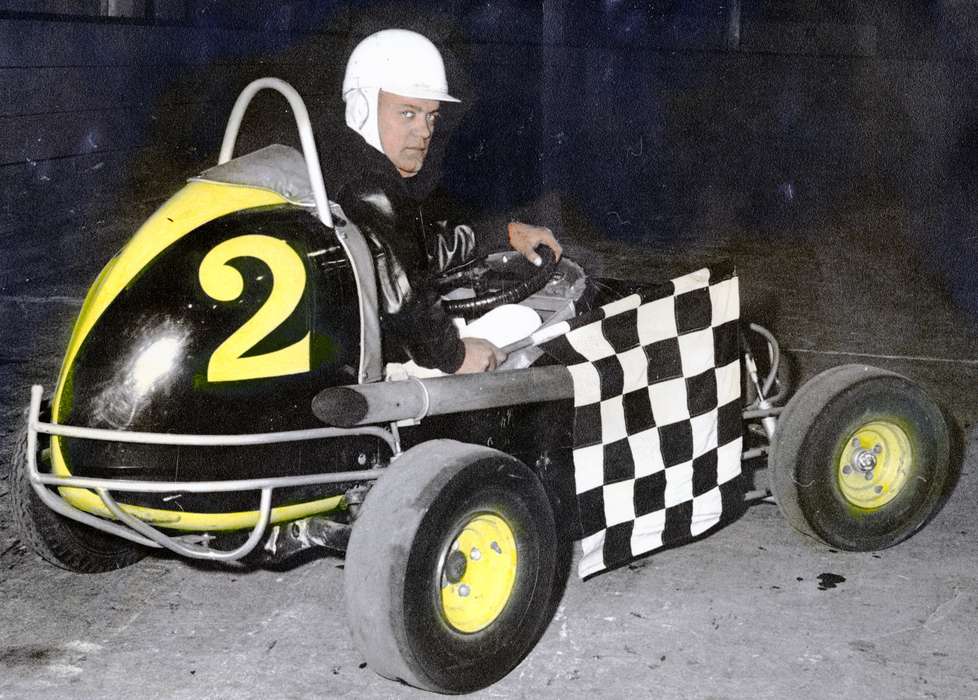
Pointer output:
x,y
660,123
94,112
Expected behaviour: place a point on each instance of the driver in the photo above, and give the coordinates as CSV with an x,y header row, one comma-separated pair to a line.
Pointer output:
x,y
393,88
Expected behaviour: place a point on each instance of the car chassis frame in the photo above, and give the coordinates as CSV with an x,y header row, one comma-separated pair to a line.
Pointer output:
x,y
432,395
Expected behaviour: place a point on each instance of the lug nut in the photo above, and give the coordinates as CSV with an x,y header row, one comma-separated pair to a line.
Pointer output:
x,y
855,442
463,590
475,554
496,548
847,469
877,449
878,489
869,475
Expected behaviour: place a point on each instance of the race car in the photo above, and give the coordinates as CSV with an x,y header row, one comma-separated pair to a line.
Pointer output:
x,y
223,397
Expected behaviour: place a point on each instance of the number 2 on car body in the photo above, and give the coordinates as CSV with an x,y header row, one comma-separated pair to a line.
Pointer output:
x,y
224,283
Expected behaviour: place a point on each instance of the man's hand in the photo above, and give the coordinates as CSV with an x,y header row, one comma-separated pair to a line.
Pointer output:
x,y
480,356
524,238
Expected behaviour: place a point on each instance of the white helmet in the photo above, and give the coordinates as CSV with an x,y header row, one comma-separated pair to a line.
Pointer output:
x,y
394,60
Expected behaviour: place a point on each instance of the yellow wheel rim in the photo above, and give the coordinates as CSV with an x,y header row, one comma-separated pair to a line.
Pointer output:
x,y
875,464
478,573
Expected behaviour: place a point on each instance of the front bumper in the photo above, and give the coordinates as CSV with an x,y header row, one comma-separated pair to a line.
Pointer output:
x,y
132,528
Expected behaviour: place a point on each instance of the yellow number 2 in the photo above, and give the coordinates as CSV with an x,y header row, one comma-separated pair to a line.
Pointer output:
x,y
224,283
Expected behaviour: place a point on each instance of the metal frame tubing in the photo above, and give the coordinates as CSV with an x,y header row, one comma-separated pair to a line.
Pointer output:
x,y
145,534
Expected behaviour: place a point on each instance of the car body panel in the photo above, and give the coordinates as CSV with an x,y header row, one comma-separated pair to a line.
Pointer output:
x,y
225,314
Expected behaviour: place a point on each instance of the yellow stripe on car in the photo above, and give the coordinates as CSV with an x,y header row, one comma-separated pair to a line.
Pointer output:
x,y
201,522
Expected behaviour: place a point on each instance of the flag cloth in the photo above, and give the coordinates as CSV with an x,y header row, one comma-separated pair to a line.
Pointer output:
x,y
657,415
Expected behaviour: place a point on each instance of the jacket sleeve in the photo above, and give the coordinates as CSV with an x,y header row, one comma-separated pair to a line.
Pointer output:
x,y
445,214
411,313
460,232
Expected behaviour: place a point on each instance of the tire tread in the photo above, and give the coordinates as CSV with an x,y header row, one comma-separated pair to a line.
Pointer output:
x,y
56,539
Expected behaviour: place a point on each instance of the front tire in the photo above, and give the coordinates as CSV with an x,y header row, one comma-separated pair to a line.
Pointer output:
x,y
59,540
451,567
861,458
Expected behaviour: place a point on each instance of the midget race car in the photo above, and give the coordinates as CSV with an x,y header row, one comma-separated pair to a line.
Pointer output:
x,y
223,396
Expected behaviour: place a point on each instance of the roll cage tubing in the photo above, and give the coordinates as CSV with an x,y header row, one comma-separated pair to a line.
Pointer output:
x,y
141,532
306,137
355,247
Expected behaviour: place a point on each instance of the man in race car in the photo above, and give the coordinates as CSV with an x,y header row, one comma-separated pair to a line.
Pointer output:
x,y
393,87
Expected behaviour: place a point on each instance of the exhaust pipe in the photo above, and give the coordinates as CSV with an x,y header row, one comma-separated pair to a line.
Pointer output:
x,y
414,399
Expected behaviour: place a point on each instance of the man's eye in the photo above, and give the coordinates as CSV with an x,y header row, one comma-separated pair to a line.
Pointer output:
x,y
433,117
407,114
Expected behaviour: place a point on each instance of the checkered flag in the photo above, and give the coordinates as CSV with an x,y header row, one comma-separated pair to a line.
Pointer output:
x,y
657,415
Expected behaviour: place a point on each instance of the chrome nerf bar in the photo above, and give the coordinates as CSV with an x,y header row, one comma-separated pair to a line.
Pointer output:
x,y
147,535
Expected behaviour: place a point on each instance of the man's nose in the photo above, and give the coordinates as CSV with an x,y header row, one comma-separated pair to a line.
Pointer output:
x,y
424,128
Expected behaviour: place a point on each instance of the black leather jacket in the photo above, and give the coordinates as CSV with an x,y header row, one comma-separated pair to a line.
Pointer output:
x,y
412,238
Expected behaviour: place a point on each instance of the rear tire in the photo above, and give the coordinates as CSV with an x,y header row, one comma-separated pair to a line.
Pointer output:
x,y
451,567
861,458
59,540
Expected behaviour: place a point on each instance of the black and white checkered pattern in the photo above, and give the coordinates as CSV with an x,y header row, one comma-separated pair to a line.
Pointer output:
x,y
657,424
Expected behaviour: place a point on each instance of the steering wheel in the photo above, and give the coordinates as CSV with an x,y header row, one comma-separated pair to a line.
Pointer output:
x,y
497,280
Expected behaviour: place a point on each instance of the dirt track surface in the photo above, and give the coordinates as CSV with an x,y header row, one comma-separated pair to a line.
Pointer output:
x,y
738,614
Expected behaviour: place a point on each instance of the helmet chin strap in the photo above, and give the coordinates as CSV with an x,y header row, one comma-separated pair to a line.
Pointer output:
x,y
361,114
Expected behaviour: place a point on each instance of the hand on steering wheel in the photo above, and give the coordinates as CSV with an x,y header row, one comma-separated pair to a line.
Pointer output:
x,y
501,288
525,238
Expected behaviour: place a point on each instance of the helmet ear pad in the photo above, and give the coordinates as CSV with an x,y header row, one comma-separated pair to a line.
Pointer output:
x,y
361,114
357,109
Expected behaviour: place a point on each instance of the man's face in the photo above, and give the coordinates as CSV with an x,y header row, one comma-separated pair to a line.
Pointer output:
x,y
406,125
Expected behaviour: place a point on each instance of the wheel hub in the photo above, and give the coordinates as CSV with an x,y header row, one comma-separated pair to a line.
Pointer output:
x,y
875,464
455,566
863,460
479,573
